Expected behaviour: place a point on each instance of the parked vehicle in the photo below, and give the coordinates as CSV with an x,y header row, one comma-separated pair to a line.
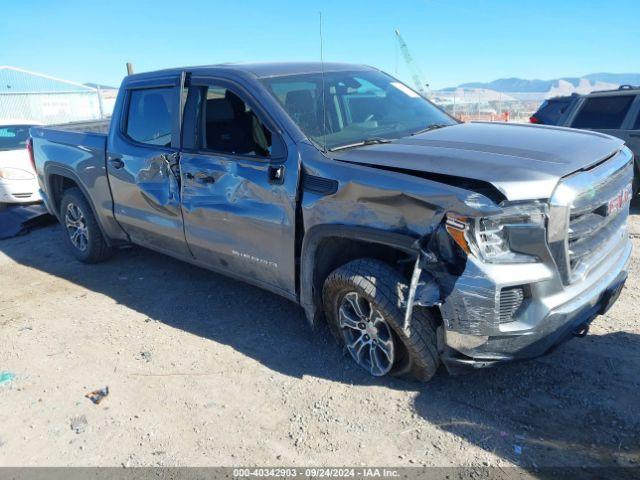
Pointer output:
x,y
18,182
614,112
553,110
419,239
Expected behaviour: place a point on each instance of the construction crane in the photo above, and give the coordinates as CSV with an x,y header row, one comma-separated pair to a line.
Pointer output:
x,y
416,75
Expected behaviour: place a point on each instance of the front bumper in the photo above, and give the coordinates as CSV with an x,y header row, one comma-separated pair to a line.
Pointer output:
x,y
474,338
19,191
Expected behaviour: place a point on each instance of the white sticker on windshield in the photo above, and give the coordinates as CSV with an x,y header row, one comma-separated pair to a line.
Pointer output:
x,y
404,89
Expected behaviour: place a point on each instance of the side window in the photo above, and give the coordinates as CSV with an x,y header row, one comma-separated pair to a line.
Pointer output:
x,y
229,125
603,112
150,116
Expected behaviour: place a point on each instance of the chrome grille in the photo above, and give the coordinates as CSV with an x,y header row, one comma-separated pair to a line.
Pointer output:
x,y
583,228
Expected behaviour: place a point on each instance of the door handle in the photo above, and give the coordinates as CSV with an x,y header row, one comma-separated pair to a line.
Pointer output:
x,y
276,174
116,162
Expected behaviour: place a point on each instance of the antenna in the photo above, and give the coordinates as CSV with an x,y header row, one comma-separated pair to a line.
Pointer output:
x,y
129,68
324,103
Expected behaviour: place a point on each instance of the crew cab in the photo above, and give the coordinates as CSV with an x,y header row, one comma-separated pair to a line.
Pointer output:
x,y
420,240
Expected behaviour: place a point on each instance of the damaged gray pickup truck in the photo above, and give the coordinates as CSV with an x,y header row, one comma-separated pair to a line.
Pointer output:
x,y
418,239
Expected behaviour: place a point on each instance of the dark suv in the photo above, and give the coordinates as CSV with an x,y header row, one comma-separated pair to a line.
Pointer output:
x,y
554,110
614,112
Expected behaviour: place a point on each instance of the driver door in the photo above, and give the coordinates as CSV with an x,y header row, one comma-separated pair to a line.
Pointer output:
x,y
239,186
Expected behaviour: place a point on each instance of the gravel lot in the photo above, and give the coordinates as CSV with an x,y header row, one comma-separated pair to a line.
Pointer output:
x,y
204,370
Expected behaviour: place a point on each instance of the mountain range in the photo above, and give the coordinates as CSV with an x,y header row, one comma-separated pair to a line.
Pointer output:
x,y
508,85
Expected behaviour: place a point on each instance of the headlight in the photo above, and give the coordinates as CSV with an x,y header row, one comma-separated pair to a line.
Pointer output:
x,y
8,173
488,237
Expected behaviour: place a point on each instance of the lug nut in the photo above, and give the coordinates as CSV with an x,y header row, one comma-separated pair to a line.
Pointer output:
x,y
366,337
362,326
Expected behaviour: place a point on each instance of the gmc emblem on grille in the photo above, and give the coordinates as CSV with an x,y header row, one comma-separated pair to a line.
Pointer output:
x,y
620,200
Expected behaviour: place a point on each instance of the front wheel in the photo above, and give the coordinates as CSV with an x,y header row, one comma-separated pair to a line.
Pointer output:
x,y
81,230
363,304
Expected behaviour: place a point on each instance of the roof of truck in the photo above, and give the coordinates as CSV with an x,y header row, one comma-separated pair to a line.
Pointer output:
x,y
268,69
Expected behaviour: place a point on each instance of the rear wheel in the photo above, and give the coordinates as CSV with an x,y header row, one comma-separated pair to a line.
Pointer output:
x,y
81,230
363,304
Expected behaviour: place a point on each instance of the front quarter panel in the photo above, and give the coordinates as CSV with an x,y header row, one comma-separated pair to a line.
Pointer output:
x,y
384,204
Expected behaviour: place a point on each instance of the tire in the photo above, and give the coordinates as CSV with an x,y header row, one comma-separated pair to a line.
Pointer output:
x,y
379,293
80,228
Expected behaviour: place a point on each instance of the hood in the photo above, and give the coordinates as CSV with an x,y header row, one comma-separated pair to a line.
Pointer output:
x,y
524,162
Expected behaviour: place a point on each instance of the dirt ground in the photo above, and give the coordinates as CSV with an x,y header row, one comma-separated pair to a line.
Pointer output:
x,y
203,370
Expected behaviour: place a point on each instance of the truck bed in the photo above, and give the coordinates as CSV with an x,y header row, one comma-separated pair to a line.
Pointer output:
x,y
92,126
76,151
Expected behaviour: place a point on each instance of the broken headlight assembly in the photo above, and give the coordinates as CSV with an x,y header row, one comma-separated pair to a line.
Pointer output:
x,y
487,237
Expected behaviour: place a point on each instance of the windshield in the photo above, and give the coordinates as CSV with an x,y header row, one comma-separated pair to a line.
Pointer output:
x,y
14,137
361,106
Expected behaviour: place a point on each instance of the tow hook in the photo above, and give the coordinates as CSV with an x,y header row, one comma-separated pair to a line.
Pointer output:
x,y
581,331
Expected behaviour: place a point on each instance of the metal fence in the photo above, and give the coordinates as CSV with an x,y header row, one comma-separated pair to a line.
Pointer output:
x,y
55,107
490,106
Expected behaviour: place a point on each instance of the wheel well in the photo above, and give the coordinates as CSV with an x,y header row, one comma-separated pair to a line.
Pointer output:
x,y
58,184
333,252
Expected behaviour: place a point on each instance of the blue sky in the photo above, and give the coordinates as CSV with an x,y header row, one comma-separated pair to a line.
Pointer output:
x,y
452,41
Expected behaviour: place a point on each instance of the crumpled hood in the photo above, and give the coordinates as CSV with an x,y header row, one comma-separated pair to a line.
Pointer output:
x,y
522,161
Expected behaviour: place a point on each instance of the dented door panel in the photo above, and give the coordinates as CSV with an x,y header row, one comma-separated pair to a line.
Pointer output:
x,y
239,221
145,189
147,200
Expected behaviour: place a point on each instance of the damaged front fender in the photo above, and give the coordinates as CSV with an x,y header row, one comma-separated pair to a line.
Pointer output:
x,y
394,209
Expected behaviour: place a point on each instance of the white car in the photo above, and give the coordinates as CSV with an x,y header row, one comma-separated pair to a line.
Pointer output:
x,y
18,183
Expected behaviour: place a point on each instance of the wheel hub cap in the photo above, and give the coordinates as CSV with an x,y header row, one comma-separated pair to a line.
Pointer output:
x,y
366,334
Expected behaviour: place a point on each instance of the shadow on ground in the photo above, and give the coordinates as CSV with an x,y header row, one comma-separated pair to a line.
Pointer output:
x,y
577,406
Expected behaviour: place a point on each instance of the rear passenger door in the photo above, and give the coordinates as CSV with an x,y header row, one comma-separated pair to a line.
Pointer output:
x,y
238,185
142,158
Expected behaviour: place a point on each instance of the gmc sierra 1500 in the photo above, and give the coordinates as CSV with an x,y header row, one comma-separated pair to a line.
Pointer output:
x,y
419,239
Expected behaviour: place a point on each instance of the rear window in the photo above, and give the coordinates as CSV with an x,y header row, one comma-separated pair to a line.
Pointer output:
x,y
603,112
551,111
150,116
14,137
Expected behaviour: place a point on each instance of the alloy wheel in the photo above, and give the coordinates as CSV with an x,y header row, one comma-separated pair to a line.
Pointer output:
x,y
366,334
76,225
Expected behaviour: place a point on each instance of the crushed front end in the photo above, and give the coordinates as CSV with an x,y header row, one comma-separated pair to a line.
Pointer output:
x,y
522,277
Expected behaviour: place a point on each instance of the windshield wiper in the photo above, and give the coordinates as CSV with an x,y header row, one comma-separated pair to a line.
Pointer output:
x,y
367,141
433,126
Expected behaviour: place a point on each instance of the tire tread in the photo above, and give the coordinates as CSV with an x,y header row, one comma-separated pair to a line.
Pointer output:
x,y
387,287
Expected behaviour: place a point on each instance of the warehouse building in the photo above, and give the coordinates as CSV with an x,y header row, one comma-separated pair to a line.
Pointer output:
x,y
34,96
